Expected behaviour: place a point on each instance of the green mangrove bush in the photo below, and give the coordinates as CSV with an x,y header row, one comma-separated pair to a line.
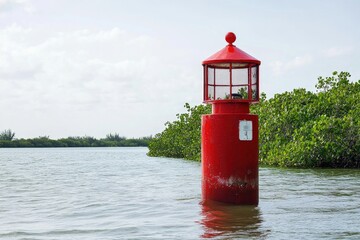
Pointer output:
x,y
297,129
182,137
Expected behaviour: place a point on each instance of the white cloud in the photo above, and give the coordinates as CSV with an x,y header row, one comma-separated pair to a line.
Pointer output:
x,y
281,67
87,70
10,5
79,66
338,51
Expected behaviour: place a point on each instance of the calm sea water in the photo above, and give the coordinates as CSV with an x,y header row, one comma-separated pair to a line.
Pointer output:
x,y
120,193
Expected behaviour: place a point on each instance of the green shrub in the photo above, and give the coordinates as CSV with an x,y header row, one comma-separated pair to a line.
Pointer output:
x,y
297,129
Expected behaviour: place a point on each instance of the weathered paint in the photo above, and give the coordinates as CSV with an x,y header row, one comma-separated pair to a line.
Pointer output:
x,y
229,165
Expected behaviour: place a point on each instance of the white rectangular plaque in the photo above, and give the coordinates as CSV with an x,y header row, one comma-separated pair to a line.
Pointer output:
x,y
245,130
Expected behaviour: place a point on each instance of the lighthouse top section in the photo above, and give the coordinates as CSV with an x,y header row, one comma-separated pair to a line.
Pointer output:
x,y
231,75
231,53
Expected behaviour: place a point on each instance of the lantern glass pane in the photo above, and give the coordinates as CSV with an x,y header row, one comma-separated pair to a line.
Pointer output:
x,y
211,93
254,92
210,75
222,76
221,65
254,76
222,93
240,92
240,65
239,76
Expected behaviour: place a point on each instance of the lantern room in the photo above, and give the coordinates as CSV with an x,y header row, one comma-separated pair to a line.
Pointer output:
x,y
231,75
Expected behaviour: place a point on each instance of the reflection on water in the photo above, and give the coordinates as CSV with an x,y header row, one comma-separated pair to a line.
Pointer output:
x,y
219,219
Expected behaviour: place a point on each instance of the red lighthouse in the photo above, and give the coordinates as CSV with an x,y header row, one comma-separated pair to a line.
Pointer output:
x,y
229,136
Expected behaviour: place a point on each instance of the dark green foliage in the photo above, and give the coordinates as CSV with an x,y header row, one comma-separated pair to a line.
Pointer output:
x,y
114,137
181,138
109,141
7,135
305,129
297,129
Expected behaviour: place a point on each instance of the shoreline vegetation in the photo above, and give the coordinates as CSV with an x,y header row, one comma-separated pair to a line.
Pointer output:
x,y
297,129
7,140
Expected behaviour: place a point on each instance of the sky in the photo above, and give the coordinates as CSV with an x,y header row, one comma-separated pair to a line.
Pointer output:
x,y
94,67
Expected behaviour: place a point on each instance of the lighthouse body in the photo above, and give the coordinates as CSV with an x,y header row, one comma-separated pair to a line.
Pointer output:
x,y
229,135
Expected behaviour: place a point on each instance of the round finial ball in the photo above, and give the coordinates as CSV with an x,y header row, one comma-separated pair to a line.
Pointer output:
x,y
230,37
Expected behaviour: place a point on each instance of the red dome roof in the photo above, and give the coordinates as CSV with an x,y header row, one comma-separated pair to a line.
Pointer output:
x,y
231,53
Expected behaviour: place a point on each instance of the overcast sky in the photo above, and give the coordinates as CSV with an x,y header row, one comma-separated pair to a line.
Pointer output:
x,y
93,67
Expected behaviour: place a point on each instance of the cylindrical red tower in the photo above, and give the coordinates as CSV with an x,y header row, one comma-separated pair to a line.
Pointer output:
x,y
229,136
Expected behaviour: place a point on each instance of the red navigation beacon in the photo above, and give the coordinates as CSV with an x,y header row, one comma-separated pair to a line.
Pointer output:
x,y
229,136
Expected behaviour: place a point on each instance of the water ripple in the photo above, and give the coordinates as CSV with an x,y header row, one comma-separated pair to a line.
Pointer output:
x,y
120,193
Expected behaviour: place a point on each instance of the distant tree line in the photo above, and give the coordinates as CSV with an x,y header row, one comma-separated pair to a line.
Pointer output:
x,y
7,140
297,129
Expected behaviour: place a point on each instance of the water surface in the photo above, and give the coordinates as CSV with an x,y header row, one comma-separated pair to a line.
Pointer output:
x,y
120,193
